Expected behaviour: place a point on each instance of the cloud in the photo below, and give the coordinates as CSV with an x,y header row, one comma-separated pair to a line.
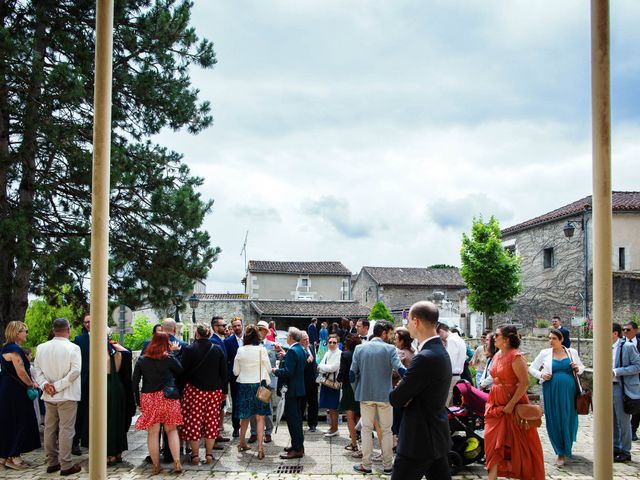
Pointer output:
x,y
335,211
458,213
258,214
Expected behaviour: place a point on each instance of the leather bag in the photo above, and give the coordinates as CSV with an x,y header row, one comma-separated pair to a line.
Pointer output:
x,y
263,393
527,415
327,382
583,395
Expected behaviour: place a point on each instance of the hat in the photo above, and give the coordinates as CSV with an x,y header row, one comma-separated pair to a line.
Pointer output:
x,y
262,324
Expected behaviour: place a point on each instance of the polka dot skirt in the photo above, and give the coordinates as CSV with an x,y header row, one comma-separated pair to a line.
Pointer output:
x,y
201,413
158,409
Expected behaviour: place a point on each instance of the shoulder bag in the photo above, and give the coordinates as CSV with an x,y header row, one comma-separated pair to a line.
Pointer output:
x,y
527,416
263,393
583,395
324,378
631,405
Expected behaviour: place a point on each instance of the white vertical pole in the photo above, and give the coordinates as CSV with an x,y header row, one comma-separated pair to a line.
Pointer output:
x,y
602,275
100,241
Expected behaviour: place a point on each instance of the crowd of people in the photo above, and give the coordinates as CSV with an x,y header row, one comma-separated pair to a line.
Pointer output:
x,y
392,383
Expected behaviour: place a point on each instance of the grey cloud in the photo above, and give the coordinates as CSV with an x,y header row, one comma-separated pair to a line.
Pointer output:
x,y
458,213
263,214
336,212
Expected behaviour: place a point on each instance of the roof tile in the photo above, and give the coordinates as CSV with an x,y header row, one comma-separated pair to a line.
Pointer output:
x,y
318,268
412,276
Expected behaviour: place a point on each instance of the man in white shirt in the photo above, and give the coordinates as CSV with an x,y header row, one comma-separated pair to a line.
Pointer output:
x,y
57,370
457,350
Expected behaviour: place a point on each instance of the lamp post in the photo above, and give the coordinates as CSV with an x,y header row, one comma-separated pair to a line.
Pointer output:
x,y
193,303
569,229
177,299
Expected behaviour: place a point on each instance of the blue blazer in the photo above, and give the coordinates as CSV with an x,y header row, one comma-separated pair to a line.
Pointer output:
x,y
231,347
293,371
373,363
629,368
216,340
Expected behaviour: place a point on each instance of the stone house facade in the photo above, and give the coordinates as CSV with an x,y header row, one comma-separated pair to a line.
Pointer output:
x,y
555,267
321,281
400,287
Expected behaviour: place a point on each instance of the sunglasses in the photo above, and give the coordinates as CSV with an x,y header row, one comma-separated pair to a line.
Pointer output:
x,y
25,331
330,343
626,329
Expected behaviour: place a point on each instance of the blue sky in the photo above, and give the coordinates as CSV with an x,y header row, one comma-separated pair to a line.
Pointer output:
x,y
371,132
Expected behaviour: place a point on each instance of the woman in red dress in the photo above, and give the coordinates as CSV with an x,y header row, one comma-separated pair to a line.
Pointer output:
x,y
158,370
511,451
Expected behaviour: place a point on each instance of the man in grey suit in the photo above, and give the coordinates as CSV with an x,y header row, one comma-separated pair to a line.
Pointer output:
x,y
371,369
626,366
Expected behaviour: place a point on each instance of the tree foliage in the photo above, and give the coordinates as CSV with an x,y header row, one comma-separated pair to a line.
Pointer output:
x,y
379,311
142,330
492,273
46,118
41,314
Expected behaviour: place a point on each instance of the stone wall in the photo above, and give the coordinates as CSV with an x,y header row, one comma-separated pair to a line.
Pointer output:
x,y
224,308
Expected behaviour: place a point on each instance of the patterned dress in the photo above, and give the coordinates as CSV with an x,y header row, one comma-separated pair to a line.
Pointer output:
x,y
516,451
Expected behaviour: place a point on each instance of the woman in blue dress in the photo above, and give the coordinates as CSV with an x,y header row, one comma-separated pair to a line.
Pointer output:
x,y
555,368
18,422
323,335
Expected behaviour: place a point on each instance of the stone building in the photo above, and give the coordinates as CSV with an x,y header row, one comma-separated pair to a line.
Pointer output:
x,y
267,280
400,287
553,263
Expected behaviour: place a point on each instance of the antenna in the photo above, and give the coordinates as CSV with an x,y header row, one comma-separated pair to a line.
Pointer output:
x,y
244,249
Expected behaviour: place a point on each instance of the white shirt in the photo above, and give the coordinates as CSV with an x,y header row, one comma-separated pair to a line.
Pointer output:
x,y
457,350
240,342
58,362
246,365
330,362
421,344
614,354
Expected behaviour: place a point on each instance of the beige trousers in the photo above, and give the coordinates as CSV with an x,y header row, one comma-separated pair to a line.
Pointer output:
x,y
368,411
59,429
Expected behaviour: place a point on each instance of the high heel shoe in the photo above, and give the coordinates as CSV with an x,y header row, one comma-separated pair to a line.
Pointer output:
x,y
177,467
243,447
260,454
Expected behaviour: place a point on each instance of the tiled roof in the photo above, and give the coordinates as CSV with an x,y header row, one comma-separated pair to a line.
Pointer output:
x,y
317,268
411,276
300,308
621,202
222,296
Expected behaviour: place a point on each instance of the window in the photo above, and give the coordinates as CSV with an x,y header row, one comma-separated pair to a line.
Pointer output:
x,y
549,259
621,259
304,282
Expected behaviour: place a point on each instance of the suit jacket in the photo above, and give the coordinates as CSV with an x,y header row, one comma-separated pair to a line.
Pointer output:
x,y
371,369
216,340
424,430
293,371
312,330
83,342
310,369
231,347
629,368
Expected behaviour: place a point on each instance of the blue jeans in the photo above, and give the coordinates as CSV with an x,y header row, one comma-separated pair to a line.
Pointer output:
x,y
621,423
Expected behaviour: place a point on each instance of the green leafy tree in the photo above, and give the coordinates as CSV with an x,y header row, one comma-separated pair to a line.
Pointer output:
x,y
142,330
379,311
442,266
492,273
41,314
46,118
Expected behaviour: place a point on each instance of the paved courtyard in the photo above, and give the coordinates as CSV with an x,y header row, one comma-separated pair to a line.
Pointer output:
x,y
324,458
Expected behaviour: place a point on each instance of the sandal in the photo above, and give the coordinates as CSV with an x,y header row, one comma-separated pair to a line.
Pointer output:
x,y
353,448
260,454
195,459
243,447
208,459
112,461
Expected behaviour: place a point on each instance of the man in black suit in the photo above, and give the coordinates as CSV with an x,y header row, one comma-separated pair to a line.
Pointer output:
x,y
310,402
630,331
557,324
231,345
424,439
82,417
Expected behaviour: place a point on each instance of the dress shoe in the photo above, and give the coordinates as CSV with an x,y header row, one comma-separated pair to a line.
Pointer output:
x,y
634,437
70,471
312,429
290,449
76,450
222,439
622,457
291,454
148,460
236,433
267,439
252,439
53,468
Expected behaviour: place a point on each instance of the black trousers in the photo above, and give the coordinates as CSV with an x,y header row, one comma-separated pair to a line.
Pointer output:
x,y
310,403
294,421
635,422
405,468
235,419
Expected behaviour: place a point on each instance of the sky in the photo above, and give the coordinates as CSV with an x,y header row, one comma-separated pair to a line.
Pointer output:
x,y
372,132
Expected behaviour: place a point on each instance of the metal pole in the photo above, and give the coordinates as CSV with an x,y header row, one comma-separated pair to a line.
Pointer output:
x,y
602,274
100,240
122,324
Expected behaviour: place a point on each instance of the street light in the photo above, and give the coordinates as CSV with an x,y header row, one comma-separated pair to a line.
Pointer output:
x,y
193,303
177,300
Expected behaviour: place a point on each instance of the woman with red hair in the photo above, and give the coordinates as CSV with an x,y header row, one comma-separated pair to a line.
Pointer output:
x,y
158,399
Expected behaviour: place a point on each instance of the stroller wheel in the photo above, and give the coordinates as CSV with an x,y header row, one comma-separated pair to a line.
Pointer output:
x,y
455,462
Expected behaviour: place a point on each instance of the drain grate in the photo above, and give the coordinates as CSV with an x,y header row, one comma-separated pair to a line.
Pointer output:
x,y
289,469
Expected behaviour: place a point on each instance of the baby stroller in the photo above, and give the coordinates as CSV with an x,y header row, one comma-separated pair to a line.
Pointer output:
x,y
466,422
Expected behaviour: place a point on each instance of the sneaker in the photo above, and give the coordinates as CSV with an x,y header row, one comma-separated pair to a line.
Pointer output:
x,y
387,471
357,454
361,469
331,434
376,458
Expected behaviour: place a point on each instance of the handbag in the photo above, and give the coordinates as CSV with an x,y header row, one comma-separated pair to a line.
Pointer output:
x,y
527,415
323,379
263,393
583,395
32,393
631,405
